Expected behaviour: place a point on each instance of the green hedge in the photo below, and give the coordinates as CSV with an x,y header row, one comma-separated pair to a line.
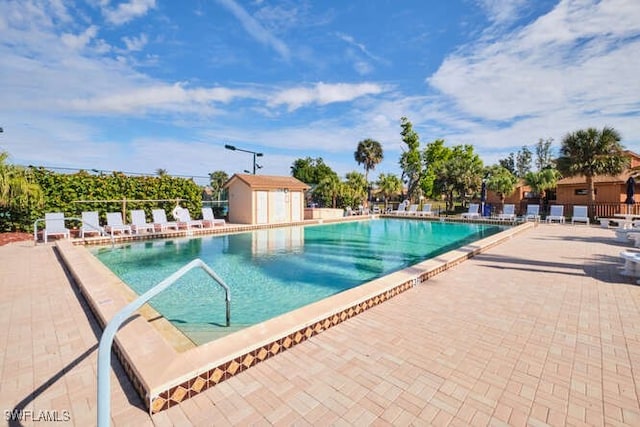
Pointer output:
x,y
68,193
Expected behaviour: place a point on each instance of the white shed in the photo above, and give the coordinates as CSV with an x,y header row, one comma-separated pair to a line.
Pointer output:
x,y
264,199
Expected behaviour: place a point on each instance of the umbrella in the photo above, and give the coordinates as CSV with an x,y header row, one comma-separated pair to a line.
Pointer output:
x,y
631,189
483,192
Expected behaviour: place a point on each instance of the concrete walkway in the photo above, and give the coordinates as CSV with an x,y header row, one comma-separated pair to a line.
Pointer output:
x,y
541,330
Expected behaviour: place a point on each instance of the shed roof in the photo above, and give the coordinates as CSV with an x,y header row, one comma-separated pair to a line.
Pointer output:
x,y
598,179
267,182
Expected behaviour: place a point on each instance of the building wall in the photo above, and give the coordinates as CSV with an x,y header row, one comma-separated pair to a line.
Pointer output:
x,y
605,193
241,206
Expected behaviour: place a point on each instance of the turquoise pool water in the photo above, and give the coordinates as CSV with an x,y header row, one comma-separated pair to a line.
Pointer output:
x,y
274,271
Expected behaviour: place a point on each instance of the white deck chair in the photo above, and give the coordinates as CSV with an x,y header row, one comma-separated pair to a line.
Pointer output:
x,y
556,214
426,210
54,225
472,212
508,212
160,220
139,222
402,209
209,219
533,213
184,218
90,224
580,215
115,224
413,210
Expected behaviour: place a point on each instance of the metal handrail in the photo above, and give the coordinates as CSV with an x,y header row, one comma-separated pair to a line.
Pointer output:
x,y
106,341
72,218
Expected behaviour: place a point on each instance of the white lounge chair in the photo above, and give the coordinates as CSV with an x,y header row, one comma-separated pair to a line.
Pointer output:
x,y
160,221
556,214
209,219
54,225
402,209
508,212
580,215
413,210
115,224
139,222
472,212
184,219
533,213
90,224
426,210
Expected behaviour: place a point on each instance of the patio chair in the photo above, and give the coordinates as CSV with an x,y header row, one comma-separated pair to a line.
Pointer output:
x,y
115,224
426,210
556,214
160,221
508,212
184,218
533,213
54,225
90,224
413,210
139,222
472,212
402,209
209,219
580,215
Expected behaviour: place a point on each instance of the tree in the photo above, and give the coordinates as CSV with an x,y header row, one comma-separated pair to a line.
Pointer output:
x,y
544,159
354,189
311,171
523,161
329,188
501,181
369,154
433,157
389,186
509,163
410,159
18,189
217,179
589,153
161,172
542,180
459,174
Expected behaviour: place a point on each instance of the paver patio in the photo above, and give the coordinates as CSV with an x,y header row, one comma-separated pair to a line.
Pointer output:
x,y
539,330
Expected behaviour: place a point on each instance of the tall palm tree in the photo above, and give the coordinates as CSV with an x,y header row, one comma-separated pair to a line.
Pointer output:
x,y
590,152
369,153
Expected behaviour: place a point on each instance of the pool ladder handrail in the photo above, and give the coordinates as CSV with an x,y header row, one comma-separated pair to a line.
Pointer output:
x,y
108,335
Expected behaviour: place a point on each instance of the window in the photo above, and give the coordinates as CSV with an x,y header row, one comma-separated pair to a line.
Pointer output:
x,y
583,191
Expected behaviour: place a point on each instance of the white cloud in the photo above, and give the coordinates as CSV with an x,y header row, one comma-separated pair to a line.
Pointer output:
x,y
324,93
81,40
255,29
126,12
503,11
135,44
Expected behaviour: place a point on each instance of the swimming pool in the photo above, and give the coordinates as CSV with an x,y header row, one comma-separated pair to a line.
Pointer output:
x,y
274,271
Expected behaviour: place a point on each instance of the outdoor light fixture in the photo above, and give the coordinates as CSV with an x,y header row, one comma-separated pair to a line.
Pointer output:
x,y
255,154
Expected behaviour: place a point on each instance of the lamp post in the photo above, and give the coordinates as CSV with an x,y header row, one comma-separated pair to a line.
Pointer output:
x,y
255,154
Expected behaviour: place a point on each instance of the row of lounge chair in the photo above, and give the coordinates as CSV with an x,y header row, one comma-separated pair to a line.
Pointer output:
x,y
407,209
55,222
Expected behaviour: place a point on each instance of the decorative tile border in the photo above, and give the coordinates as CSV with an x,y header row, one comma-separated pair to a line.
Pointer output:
x,y
210,378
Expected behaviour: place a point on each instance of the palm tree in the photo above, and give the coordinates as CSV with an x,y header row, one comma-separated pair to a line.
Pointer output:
x,y
542,180
17,188
369,153
501,181
389,185
329,187
590,152
162,172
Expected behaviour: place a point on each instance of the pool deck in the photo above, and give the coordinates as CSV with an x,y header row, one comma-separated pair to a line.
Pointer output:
x,y
539,330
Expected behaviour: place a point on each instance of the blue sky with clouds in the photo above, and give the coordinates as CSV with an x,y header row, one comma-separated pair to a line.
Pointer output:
x,y
138,85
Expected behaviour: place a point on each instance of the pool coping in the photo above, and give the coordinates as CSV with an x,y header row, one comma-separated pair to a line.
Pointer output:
x,y
164,377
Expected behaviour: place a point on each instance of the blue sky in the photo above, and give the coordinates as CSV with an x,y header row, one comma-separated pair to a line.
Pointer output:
x,y
138,85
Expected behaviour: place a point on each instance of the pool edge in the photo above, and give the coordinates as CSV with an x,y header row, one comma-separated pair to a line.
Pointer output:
x,y
165,377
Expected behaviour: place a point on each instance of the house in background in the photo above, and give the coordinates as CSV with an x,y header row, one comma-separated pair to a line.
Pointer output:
x,y
609,189
264,199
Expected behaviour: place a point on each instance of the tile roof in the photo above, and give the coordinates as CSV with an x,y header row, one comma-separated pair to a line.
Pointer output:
x,y
268,181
